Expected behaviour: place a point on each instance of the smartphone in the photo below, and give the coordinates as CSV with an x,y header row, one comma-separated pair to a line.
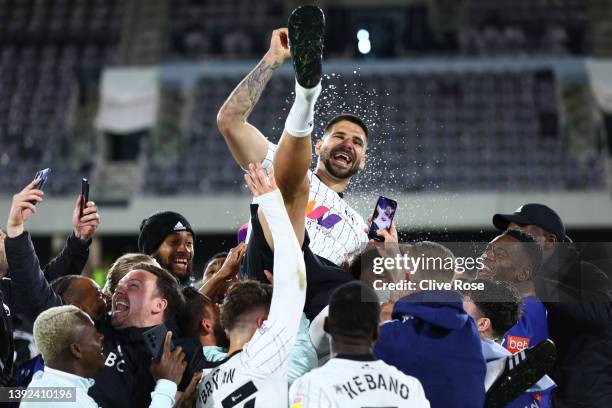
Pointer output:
x,y
382,216
154,339
43,175
85,194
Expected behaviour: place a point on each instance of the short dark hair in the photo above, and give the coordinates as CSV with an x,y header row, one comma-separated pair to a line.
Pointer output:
x,y
500,302
354,311
167,287
62,284
218,255
349,117
193,312
241,297
529,246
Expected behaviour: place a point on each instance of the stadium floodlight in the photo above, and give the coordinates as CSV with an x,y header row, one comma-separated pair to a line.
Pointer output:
x,y
363,41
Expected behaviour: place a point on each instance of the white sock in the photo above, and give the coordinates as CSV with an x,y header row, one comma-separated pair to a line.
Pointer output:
x,y
300,120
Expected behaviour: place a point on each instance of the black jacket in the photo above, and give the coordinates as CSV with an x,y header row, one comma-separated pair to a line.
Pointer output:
x,y
7,346
578,298
26,292
126,381
70,261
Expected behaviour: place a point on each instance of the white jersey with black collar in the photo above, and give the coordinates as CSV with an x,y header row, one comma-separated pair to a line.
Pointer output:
x,y
357,381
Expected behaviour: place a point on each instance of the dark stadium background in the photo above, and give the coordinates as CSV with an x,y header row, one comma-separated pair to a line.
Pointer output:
x,y
485,103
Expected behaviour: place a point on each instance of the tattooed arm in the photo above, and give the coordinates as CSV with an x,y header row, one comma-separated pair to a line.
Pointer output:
x,y
246,143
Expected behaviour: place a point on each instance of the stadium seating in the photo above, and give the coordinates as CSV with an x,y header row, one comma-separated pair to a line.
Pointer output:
x,y
450,131
47,49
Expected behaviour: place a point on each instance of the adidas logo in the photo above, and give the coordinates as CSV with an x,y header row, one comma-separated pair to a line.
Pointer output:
x,y
516,359
179,227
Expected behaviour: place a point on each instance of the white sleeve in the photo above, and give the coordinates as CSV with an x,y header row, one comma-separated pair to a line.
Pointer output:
x,y
163,394
271,345
306,393
269,160
318,337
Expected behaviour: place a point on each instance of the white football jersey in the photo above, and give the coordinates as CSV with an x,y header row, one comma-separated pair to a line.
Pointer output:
x,y
256,377
334,228
357,382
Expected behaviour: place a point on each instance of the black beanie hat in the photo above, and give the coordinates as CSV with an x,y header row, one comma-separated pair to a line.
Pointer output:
x,y
157,227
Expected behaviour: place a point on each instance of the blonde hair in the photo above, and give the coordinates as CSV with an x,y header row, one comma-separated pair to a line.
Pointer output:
x,y
121,267
54,329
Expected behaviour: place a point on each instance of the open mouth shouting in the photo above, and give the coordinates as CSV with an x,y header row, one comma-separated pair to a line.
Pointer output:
x,y
342,158
121,308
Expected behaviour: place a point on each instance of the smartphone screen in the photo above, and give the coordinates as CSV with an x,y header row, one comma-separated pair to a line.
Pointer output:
x,y
85,193
382,217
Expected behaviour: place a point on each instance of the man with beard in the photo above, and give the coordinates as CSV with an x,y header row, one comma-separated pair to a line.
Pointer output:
x,y
201,320
515,257
578,299
334,228
167,236
327,228
146,297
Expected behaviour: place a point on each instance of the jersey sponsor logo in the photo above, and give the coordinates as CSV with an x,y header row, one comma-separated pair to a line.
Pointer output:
x,y
515,344
318,213
296,403
241,394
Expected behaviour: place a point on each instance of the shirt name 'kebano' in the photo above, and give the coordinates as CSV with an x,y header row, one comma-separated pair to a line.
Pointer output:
x,y
368,382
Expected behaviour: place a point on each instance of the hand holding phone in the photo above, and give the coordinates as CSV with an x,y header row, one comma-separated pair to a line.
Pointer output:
x,y
154,339
171,364
382,218
43,176
84,195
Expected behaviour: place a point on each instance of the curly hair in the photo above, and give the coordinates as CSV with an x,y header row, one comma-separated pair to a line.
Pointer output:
x,y
54,330
242,297
499,302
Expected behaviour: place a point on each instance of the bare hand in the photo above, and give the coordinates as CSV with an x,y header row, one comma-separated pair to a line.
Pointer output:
x,y
172,364
388,237
85,227
279,45
257,181
231,266
188,397
22,208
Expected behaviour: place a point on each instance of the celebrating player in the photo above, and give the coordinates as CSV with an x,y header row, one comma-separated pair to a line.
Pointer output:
x,y
261,325
334,228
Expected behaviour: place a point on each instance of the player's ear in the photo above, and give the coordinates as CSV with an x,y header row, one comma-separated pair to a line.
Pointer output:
x,y
483,323
318,145
362,164
206,326
326,325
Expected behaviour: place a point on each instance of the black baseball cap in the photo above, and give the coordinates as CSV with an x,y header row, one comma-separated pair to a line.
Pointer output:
x,y
533,214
